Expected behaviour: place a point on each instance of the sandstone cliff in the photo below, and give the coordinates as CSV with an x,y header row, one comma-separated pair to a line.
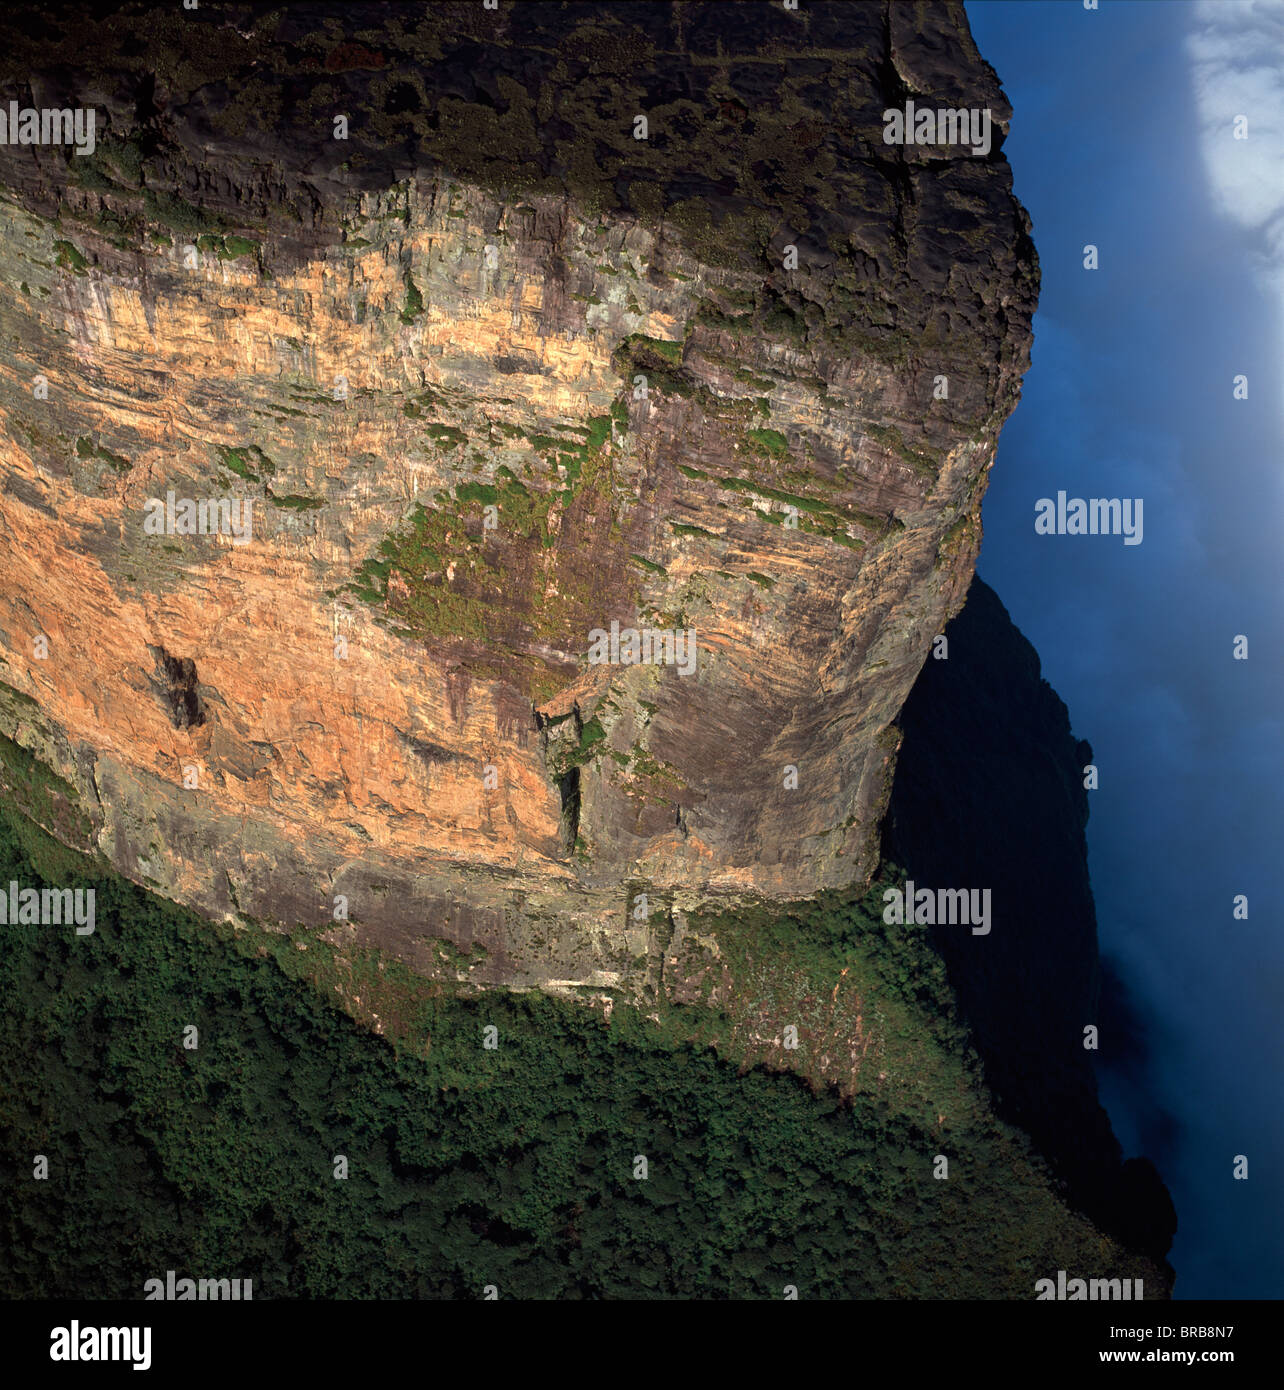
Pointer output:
x,y
419,352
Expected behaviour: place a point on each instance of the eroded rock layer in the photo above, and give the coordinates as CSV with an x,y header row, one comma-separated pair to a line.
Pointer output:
x,y
492,373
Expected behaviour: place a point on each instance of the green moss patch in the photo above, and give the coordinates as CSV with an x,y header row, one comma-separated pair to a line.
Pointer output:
x,y
413,304
248,462
769,442
68,258
87,449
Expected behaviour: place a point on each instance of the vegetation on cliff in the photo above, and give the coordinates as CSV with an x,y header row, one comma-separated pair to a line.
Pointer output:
x,y
468,1166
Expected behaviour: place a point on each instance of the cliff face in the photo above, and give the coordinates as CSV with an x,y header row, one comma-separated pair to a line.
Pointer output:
x,y
494,373
989,793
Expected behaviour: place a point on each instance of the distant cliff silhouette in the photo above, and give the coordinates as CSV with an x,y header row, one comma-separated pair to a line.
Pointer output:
x,y
989,793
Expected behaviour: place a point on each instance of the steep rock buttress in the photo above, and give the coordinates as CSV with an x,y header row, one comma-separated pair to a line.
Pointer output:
x,y
491,373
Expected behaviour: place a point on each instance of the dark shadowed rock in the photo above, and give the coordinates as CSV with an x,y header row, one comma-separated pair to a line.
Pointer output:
x,y
989,793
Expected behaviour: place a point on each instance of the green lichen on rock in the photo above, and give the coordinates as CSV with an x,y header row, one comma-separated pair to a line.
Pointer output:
x,y
227,248
501,581
445,437
34,789
68,258
926,463
769,442
87,449
811,515
413,305
248,462
296,502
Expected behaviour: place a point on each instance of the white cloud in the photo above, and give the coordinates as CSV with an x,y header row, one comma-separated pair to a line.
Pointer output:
x,y
1236,49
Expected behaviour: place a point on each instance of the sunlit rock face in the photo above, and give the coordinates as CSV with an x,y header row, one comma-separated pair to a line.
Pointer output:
x,y
482,379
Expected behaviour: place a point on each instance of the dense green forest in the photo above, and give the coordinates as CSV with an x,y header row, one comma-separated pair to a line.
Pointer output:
x,y
469,1167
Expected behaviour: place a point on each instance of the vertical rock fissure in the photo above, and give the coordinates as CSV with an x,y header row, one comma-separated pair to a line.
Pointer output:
x,y
559,754
175,684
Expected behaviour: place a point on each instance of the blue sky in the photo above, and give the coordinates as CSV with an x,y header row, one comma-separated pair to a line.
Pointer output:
x,y
1122,137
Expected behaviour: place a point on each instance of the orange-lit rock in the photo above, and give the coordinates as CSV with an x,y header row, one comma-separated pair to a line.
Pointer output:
x,y
421,732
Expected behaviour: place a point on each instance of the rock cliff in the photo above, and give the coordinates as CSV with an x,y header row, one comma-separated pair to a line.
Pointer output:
x,y
989,790
492,372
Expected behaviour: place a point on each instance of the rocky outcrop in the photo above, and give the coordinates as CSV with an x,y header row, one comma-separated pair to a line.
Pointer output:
x,y
989,794
492,373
